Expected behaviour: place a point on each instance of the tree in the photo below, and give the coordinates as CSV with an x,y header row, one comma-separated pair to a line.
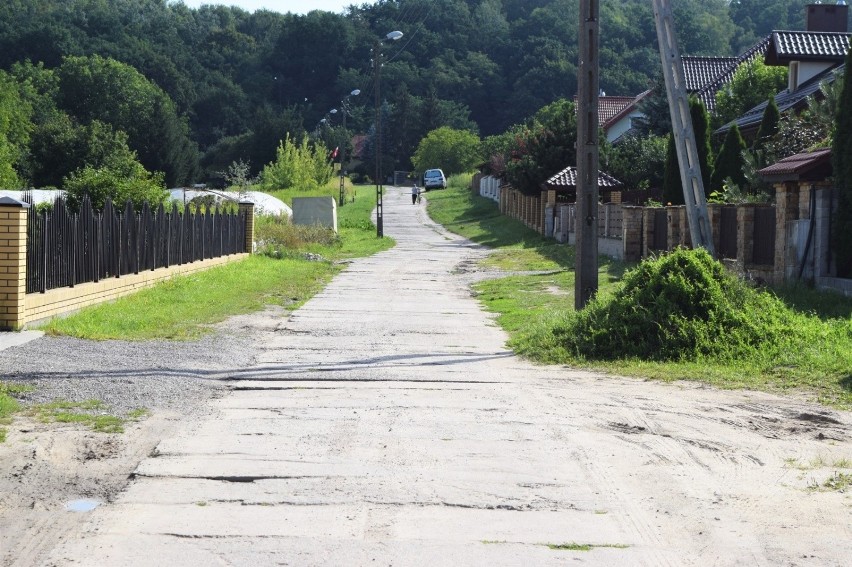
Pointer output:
x,y
637,161
841,155
768,124
454,151
301,166
544,146
15,129
701,130
120,179
98,88
752,83
729,162
672,186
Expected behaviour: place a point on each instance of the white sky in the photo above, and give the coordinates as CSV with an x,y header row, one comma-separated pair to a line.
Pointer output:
x,y
283,6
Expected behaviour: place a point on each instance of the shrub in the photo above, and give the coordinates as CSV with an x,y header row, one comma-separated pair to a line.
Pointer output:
x,y
681,306
117,182
278,237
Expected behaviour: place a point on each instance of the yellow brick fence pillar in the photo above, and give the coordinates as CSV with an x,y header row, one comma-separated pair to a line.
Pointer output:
x,y
247,207
13,262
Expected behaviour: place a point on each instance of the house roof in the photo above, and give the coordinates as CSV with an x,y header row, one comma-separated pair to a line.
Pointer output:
x,y
785,101
707,93
608,106
567,179
786,46
808,166
701,71
630,107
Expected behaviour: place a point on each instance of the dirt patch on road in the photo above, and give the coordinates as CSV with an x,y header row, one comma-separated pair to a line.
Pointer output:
x,y
43,467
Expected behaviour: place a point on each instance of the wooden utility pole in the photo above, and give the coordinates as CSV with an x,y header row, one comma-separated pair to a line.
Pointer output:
x,y
684,135
586,261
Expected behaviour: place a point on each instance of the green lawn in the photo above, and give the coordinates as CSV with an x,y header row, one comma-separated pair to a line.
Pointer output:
x,y
186,306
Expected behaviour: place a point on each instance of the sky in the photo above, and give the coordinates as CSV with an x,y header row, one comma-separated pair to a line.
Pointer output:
x,y
283,6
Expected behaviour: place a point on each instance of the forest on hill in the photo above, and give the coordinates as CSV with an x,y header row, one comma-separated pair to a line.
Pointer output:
x,y
192,90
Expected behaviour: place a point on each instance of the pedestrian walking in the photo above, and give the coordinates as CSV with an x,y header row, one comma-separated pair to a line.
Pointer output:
x,y
415,194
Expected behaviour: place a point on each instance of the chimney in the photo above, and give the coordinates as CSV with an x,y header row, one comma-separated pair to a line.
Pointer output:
x,y
827,17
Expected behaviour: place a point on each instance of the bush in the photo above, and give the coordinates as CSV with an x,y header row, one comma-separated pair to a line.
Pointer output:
x,y
278,237
119,184
681,306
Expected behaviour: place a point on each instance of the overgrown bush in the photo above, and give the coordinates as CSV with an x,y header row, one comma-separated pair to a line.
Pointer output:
x,y
681,306
278,237
297,165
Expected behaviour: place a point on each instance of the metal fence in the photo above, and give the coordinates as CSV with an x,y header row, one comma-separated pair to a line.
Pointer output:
x,y
728,232
764,235
66,248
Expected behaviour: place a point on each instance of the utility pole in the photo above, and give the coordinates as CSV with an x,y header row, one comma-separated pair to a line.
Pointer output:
x,y
377,146
586,260
377,65
684,135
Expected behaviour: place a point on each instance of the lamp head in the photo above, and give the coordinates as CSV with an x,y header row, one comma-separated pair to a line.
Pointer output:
x,y
394,35
356,92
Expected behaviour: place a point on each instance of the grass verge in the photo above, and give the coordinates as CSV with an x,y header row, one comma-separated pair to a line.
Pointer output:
x,y
93,414
537,312
186,306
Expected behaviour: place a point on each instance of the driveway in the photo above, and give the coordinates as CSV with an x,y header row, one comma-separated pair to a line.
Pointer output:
x,y
386,423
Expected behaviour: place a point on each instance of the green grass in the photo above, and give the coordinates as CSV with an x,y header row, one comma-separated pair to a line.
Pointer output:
x,y
584,546
812,354
93,414
185,307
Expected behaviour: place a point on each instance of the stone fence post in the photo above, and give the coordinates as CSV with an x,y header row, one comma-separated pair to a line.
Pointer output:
x,y
13,262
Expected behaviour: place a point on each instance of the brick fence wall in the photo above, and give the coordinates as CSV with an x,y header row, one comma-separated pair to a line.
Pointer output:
x,y
17,308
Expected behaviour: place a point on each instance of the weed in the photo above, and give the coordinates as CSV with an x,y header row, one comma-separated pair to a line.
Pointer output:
x,y
91,413
839,482
493,541
570,546
584,546
138,414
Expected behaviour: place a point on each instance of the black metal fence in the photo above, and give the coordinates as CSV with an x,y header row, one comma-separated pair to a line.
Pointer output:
x,y
66,248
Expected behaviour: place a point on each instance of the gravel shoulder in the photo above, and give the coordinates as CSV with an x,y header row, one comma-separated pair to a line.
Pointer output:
x,y
44,466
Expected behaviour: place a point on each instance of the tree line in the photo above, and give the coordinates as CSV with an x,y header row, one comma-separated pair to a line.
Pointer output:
x,y
183,93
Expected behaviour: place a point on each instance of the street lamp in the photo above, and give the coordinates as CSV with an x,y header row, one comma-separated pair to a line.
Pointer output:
x,y
377,65
344,108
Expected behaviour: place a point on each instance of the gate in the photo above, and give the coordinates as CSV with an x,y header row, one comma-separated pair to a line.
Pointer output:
x,y
728,233
660,238
764,236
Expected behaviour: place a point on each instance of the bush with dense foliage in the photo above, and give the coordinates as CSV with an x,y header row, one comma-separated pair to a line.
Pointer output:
x,y
543,147
300,165
681,306
453,151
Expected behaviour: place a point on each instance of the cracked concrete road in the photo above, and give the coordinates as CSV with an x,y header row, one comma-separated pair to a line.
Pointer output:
x,y
387,424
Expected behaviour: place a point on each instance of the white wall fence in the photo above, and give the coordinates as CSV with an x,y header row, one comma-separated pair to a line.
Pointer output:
x,y
489,187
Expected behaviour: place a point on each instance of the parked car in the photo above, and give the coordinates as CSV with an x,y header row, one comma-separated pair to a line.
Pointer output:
x,y
434,179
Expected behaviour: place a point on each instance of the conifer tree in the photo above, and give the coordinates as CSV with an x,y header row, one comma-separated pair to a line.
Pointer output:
x,y
701,128
729,162
768,124
672,187
841,154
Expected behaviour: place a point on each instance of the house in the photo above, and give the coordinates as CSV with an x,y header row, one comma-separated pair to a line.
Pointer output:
x,y
812,57
623,121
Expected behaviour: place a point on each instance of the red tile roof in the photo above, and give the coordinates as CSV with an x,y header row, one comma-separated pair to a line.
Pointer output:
x,y
609,106
804,166
626,110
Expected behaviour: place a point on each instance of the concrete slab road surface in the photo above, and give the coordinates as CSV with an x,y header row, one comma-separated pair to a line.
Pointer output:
x,y
386,423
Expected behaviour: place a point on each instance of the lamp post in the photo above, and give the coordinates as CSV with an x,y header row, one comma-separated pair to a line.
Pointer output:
x,y
344,108
377,65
